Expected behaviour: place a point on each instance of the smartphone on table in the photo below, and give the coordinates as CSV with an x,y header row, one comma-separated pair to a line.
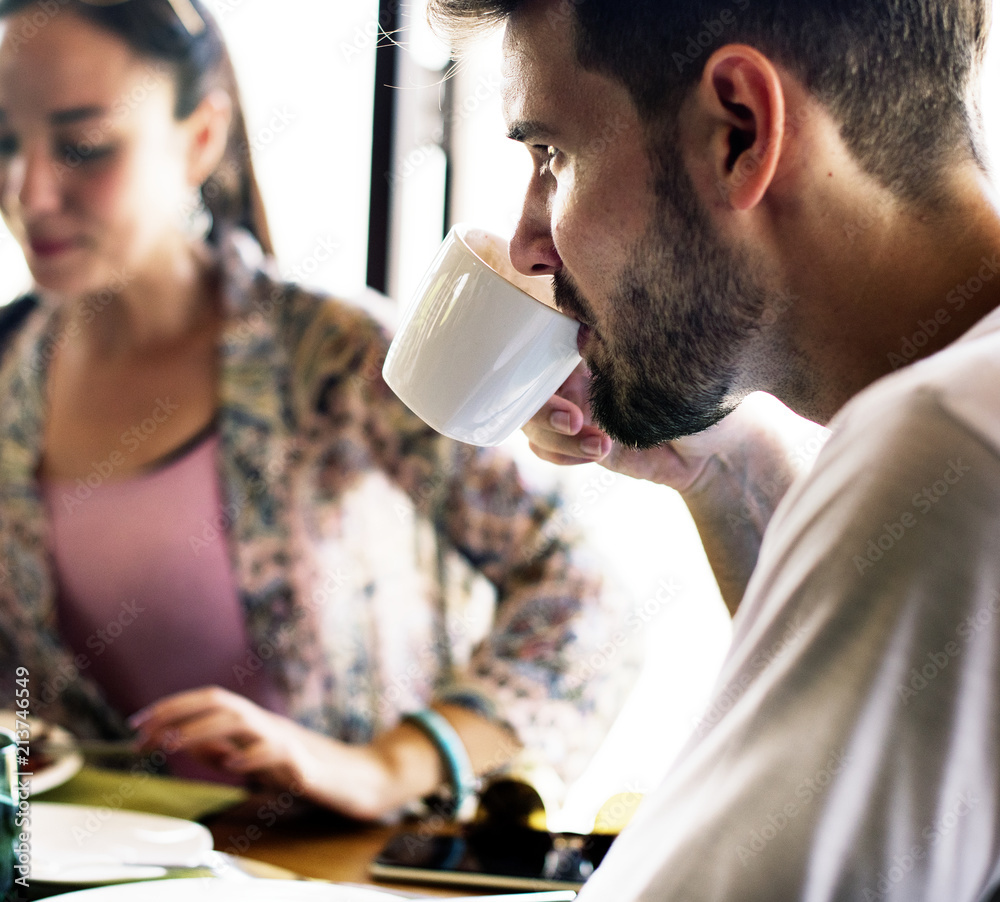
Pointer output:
x,y
504,857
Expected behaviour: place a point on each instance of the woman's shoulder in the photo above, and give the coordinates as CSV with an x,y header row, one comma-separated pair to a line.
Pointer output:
x,y
328,343
312,312
303,318
322,327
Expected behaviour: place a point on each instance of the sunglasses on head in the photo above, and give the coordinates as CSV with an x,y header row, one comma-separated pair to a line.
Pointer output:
x,y
185,10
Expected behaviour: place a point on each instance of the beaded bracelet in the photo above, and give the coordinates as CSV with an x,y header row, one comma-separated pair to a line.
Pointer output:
x,y
461,776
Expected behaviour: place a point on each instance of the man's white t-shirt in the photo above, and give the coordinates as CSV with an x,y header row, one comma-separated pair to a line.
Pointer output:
x,y
852,747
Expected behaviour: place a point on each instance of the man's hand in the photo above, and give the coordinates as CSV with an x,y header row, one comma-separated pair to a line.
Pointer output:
x,y
732,476
563,432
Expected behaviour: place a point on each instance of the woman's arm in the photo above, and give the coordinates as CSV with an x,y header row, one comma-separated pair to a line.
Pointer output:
x,y
555,614
527,677
366,782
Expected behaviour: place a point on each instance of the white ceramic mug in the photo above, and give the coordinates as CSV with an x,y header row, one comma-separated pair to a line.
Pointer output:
x,y
476,355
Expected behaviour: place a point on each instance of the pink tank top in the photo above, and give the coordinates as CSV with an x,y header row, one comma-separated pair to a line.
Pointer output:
x,y
152,611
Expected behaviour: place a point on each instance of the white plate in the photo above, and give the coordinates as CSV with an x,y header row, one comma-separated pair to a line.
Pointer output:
x,y
63,767
80,845
215,890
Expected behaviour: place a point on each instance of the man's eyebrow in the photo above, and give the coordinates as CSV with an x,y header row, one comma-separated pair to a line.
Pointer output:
x,y
525,130
75,114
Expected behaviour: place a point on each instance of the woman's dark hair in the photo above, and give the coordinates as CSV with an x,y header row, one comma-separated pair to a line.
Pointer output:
x,y
200,64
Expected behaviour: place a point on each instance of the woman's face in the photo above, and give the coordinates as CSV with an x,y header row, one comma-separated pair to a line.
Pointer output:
x,y
94,168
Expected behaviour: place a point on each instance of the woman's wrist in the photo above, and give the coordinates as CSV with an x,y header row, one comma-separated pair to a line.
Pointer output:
x,y
359,781
454,757
402,765
397,767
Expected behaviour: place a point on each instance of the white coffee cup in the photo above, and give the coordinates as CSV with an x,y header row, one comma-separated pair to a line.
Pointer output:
x,y
476,355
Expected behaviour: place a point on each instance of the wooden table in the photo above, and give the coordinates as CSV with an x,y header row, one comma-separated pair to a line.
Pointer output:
x,y
311,842
308,841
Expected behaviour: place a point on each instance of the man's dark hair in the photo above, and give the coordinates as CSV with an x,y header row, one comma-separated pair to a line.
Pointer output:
x,y
898,75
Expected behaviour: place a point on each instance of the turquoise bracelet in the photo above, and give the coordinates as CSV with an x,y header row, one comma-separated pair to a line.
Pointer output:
x,y
461,776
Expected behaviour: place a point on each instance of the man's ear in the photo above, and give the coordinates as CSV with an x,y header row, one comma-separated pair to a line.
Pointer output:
x,y
741,97
208,130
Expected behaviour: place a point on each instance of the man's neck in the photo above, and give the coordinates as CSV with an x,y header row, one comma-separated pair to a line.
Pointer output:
x,y
899,289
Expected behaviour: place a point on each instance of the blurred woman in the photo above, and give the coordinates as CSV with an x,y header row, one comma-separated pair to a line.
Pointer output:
x,y
217,525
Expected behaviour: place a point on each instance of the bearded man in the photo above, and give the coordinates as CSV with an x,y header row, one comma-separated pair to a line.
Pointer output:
x,y
789,196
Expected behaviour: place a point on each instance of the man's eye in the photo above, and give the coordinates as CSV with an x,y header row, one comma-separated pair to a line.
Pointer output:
x,y
547,154
8,146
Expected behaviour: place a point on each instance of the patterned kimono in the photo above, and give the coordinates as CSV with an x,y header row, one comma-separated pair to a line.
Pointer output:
x,y
379,566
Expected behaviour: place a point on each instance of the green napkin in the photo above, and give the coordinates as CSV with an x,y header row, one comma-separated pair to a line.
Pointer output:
x,y
188,799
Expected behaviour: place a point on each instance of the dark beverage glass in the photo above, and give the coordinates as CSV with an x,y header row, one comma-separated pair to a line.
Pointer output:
x,y
8,812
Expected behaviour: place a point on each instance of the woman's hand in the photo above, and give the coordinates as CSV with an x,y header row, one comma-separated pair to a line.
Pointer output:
x,y
235,735
366,782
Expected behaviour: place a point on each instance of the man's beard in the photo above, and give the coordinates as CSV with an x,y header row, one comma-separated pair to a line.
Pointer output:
x,y
665,362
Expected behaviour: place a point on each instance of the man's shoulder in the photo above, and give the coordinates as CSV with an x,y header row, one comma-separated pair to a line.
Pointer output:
x,y
903,433
906,492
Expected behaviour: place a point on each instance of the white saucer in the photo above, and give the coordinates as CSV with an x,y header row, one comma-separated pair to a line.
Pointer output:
x,y
80,845
213,889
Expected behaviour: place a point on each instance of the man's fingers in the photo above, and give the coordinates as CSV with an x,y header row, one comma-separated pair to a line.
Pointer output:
x,y
574,389
558,415
561,460
570,457
562,421
587,446
594,444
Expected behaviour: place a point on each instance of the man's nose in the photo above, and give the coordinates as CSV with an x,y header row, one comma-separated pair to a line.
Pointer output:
x,y
532,250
